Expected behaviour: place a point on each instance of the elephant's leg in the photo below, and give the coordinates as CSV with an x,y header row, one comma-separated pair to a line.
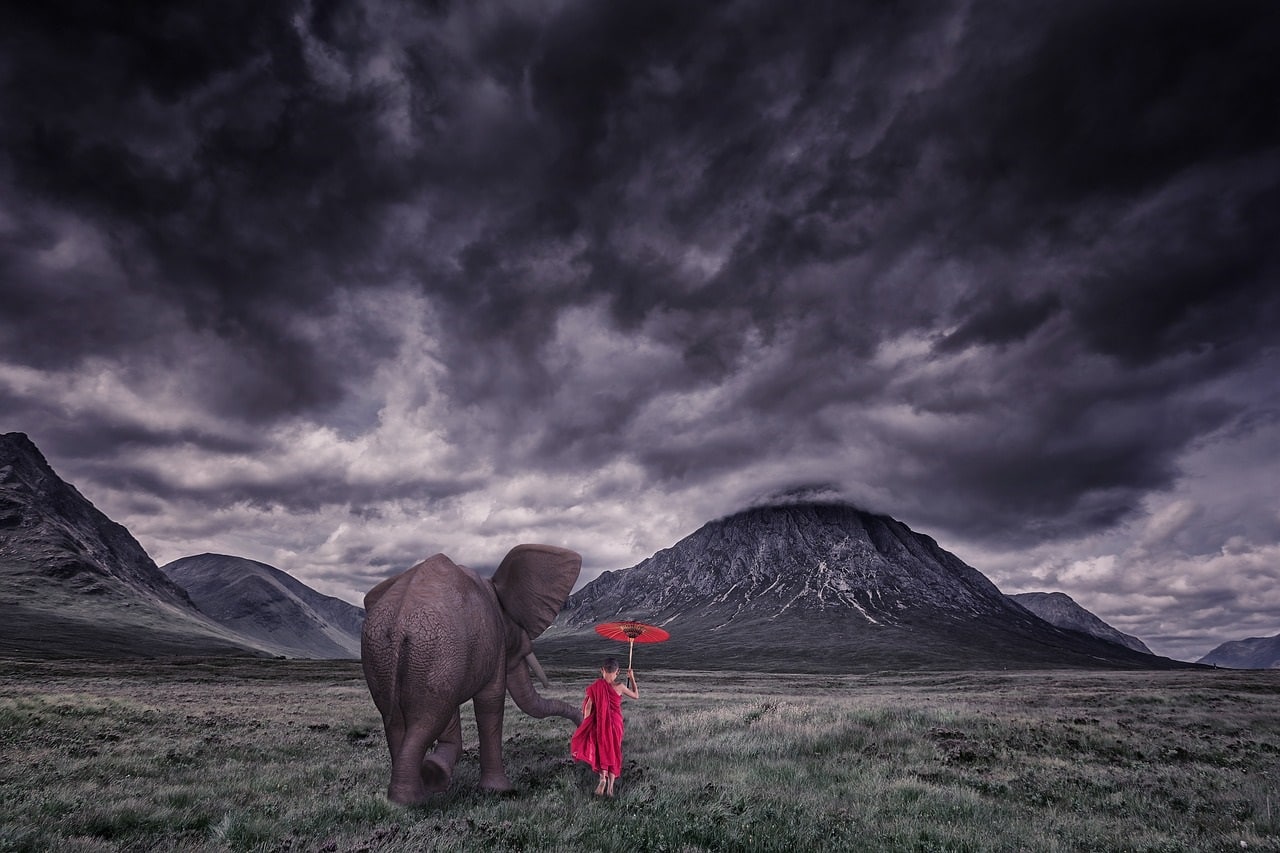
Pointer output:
x,y
437,768
408,762
392,720
394,729
489,709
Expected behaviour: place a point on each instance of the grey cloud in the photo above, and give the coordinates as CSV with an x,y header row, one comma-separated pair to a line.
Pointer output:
x,y
1002,319
229,189
294,492
103,438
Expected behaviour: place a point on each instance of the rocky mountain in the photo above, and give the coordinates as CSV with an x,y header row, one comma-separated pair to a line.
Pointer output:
x,y
1253,653
279,612
75,583
821,587
1058,608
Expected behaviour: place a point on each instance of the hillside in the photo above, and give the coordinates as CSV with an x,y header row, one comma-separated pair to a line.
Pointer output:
x,y
1060,609
277,611
1253,653
74,583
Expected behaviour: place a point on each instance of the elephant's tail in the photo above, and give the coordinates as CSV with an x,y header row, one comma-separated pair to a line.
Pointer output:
x,y
399,675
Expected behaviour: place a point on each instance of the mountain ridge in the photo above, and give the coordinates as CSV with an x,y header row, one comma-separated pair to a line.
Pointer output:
x,y
1062,610
281,613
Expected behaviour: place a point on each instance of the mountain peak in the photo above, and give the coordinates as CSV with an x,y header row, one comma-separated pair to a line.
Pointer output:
x,y
783,580
21,461
766,561
62,535
78,583
11,442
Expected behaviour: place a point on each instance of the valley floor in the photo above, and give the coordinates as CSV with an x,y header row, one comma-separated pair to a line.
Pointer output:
x,y
289,755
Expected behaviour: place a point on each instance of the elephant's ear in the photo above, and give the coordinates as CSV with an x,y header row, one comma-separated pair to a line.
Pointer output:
x,y
533,582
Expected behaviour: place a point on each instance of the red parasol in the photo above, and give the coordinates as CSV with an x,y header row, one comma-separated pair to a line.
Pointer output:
x,y
632,632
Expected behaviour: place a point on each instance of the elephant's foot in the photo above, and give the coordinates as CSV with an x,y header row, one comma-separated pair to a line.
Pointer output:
x,y
435,775
406,797
497,782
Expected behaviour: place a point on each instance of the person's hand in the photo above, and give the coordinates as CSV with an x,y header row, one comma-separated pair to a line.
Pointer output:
x,y
631,674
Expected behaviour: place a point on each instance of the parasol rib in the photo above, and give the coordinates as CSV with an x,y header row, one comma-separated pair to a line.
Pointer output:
x,y
632,631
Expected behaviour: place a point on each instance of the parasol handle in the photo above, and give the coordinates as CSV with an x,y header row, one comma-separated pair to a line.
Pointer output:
x,y
631,651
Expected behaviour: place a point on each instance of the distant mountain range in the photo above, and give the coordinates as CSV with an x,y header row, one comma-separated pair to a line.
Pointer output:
x,y
74,583
1253,653
813,587
1058,608
826,585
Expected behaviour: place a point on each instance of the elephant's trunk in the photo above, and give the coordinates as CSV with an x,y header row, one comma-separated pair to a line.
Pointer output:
x,y
529,700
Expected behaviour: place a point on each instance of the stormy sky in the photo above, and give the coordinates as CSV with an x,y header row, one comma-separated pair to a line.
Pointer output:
x,y
338,285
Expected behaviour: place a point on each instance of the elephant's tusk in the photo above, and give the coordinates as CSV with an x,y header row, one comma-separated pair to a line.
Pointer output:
x,y
537,669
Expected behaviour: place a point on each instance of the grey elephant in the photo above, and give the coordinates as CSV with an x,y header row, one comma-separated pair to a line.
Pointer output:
x,y
438,635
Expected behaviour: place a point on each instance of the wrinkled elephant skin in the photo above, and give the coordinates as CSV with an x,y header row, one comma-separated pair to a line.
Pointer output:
x,y
438,635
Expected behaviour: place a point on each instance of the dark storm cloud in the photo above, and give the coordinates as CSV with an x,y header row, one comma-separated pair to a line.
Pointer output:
x,y
226,189
1099,103
1001,267
1045,476
823,167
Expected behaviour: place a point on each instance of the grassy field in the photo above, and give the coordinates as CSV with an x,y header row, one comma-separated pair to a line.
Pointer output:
x,y
277,755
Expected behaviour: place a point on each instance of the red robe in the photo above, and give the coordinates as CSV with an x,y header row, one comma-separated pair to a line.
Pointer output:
x,y
598,741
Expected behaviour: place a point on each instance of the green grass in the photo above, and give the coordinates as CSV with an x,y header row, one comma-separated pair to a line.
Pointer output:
x,y
276,755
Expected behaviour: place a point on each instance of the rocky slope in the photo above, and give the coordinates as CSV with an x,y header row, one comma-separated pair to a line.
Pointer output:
x,y
820,587
1253,653
75,583
1058,608
277,611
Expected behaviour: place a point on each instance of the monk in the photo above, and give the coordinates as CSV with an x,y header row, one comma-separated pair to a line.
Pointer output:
x,y
598,741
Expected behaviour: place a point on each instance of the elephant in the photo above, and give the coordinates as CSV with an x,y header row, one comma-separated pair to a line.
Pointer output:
x,y
439,634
